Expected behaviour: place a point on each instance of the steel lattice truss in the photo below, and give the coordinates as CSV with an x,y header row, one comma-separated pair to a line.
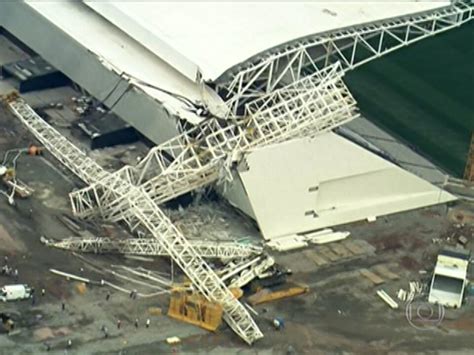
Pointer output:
x,y
148,216
241,273
310,106
151,247
68,154
292,93
352,47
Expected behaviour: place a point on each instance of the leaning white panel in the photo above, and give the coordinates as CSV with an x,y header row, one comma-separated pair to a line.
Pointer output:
x,y
305,184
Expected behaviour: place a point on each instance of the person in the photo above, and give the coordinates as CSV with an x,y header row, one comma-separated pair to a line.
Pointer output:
x,y
147,324
33,300
278,323
119,323
43,292
5,270
63,306
15,274
107,296
69,343
136,322
47,346
106,331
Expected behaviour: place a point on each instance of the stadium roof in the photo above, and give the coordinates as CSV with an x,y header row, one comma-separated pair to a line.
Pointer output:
x,y
208,38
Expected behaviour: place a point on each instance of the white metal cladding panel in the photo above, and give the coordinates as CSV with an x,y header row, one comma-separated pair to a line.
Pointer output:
x,y
119,53
338,180
215,36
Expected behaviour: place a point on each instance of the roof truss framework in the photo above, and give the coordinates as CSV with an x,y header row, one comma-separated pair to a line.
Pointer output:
x,y
352,47
310,106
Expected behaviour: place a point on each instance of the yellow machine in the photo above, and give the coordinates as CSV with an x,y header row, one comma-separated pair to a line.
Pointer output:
x,y
8,171
267,295
195,309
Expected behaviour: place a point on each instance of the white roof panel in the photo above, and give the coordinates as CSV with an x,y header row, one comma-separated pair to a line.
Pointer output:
x,y
212,37
124,55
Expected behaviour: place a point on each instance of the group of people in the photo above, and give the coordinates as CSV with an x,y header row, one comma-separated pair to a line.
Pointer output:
x,y
10,271
7,270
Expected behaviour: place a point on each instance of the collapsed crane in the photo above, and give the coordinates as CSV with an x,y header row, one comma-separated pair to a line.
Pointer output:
x,y
251,263
148,216
150,247
309,106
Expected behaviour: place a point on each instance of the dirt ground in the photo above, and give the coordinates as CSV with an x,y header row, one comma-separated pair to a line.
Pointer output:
x,y
340,314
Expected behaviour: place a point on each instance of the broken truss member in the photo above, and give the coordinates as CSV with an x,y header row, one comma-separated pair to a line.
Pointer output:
x,y
206,153
151,247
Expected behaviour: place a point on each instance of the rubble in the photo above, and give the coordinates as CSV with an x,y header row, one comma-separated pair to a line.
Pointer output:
x,y
387,299
293,242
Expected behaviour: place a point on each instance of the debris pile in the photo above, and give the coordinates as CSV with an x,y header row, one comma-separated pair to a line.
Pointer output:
x,y
415,289
8,173
293,242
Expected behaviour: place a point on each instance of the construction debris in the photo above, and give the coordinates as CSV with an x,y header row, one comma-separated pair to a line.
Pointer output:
x,y
377,280
8,173
297,241
415,289
402,295
148,246
291,242
173,340
385,272
268,295
155,311
72,277
463,240
240,274
328,237
387,299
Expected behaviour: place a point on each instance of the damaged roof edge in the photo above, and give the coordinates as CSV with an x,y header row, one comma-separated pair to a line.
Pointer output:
x,y
136,106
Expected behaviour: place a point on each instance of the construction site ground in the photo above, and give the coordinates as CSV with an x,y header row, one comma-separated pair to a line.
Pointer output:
x,y
341,313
